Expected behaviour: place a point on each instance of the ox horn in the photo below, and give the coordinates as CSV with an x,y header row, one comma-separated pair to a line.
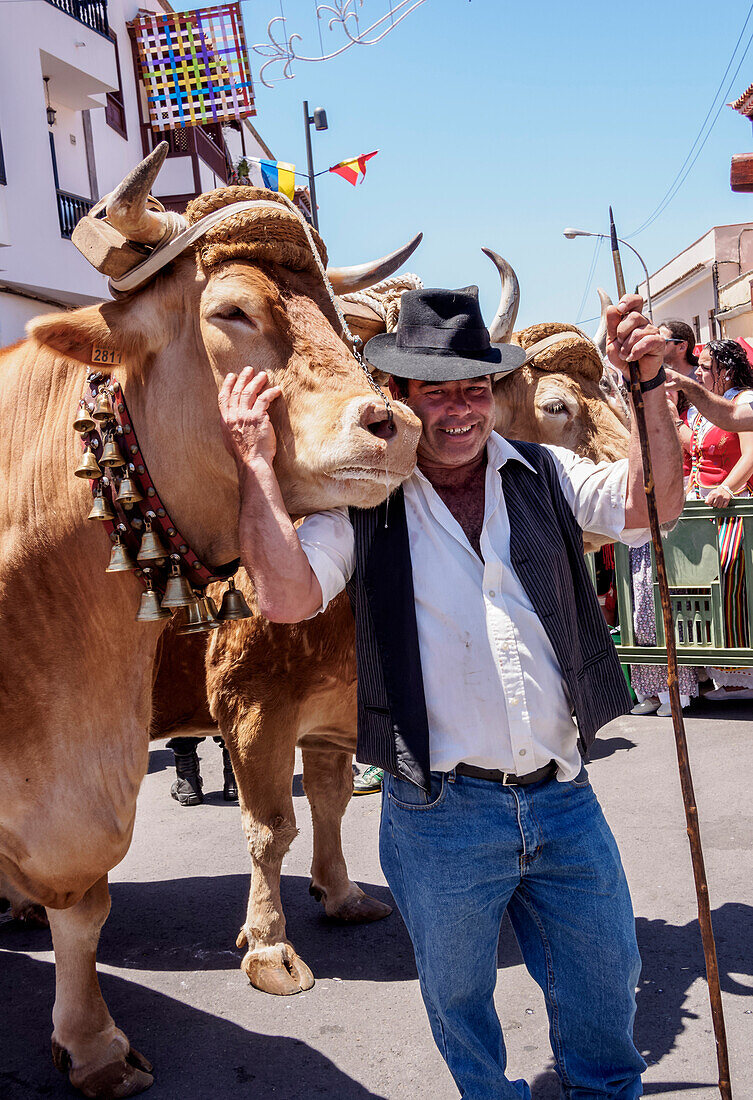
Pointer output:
x,y
347,280
501,327
127,209
600,339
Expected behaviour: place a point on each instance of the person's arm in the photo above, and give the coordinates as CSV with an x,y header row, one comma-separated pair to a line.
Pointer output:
x,y
287,588
738,476
725,414
631,337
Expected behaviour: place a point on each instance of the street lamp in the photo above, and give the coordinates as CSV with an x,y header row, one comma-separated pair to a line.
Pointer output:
x,y
319,119
571,234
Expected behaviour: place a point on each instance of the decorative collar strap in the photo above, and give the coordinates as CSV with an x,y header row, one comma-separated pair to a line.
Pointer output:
x,y
130,522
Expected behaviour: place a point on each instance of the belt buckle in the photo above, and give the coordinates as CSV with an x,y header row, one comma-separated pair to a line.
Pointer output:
x,y
508,779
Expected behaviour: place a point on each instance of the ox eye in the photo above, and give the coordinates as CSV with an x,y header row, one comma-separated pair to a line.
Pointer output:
x,y
233,313
554,408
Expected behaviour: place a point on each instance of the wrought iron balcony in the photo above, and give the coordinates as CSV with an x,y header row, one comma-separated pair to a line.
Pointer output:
x,y
92,13
71,208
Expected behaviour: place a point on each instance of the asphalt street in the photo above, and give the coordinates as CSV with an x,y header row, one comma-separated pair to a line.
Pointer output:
x,y
170,969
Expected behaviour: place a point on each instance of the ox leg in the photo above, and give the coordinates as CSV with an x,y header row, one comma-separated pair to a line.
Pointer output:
x,y
328,782
85,1042
265,781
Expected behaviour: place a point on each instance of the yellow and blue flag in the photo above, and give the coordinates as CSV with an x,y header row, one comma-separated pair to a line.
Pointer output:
x,y
278,175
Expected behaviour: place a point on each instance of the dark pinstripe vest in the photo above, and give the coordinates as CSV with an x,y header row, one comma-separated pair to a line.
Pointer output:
x,y
546,550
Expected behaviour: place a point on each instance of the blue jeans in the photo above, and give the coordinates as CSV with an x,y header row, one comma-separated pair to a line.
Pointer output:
x,y
455,861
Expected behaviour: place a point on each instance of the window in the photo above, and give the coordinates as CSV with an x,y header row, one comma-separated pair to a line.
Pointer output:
x,y
697,329
115,115
712,325
3,178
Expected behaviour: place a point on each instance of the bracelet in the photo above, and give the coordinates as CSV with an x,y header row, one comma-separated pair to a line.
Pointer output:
x,y
659,378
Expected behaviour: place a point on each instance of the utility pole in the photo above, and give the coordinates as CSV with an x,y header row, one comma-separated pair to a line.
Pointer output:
x,y
319,119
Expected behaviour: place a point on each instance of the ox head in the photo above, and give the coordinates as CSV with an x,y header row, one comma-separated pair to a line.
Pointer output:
x,y
563,394
247,292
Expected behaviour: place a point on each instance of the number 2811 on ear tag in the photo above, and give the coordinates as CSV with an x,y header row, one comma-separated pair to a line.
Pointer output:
x,y
106,356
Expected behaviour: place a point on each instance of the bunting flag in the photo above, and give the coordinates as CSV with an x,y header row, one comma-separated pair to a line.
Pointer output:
x,y
194,66
352,170
278,175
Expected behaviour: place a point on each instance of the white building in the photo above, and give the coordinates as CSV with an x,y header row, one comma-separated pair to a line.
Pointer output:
x,y
695,285
50,175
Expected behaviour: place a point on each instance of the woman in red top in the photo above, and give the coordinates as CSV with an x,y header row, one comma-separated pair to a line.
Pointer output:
x,y
721,469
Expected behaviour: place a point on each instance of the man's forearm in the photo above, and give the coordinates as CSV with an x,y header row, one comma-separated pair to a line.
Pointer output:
x,y
666,458
286,586
720,411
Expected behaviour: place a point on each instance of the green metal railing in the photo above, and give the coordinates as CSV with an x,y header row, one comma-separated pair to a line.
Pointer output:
x,y
696,586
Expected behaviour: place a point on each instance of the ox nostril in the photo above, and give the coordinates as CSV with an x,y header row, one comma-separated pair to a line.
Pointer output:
x,y
377,422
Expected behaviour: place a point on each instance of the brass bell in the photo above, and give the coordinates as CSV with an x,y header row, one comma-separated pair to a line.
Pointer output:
x,y
233,604
200,616
83,422
101,507
102,405
151,548
178,592
120,559
111,455
127,492
88,467
149,609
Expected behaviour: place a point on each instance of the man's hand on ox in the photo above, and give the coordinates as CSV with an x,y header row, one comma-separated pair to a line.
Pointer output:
x,y
631,336
247,430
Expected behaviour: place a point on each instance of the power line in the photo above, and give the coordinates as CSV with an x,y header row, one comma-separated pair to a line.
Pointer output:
x,y
589,279
680,178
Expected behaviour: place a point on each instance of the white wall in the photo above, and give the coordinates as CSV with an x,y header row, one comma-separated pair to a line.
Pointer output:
x,y
14,313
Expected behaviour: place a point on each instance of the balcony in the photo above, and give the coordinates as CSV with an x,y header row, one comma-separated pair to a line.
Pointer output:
x,y
71,208
92,13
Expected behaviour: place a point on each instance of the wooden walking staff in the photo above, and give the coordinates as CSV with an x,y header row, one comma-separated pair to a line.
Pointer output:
x,y
686,779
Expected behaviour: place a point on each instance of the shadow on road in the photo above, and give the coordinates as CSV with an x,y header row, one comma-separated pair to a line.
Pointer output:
x,y
605,746
672,960
194,1053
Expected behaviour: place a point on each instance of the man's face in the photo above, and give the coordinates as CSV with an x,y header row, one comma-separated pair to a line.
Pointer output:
x,y
457,419
674,350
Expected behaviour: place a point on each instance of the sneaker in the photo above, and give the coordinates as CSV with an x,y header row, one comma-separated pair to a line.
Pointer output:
x,y
648,706
369,781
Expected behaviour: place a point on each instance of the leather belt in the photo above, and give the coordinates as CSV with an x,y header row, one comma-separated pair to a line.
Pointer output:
x,y
507,779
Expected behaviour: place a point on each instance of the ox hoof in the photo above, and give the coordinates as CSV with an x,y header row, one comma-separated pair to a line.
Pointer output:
x,y
356,908
277,970
125,1076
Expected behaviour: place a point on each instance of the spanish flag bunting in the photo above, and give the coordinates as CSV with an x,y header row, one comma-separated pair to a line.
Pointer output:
x,y
278,176
351,170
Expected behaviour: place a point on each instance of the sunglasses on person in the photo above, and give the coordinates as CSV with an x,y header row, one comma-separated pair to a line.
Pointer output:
x,y
672,340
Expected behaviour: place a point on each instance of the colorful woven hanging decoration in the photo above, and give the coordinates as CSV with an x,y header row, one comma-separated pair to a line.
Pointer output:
x,y
194,67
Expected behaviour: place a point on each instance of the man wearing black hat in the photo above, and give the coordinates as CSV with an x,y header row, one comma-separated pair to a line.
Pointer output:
x,y
478,637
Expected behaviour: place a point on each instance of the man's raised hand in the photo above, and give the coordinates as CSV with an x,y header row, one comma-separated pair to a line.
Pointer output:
x,y
247,430
631,336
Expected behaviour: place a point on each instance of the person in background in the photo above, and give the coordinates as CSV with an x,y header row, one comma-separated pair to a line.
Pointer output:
x,y
649,682
188,786
722,469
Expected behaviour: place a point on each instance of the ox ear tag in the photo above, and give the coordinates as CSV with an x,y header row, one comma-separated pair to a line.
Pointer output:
x,y
107,356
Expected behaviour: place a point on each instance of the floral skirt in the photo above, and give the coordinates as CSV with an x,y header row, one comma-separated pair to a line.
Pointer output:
x,y
648,680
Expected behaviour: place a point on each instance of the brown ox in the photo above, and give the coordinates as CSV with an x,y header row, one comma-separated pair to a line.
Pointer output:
x,y
273,686
77,670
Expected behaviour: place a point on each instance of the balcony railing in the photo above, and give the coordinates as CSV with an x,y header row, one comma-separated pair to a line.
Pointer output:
x,y
92,13
71,208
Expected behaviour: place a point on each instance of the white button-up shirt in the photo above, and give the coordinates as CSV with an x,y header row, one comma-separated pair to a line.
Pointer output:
x,y
495,696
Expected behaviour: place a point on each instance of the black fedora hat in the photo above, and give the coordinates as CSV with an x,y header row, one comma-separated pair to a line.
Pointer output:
x,y
441,337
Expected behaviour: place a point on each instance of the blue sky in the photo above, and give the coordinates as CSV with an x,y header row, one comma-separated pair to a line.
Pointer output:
x,y
499,124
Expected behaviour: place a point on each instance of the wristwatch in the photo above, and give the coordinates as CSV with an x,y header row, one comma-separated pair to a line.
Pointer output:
x,y
659,378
